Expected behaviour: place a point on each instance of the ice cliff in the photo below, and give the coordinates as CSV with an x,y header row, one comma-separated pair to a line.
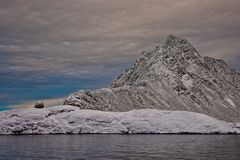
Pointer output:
x,y
173,76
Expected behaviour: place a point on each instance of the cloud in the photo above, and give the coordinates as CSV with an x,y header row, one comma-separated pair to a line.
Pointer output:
x,y
85,37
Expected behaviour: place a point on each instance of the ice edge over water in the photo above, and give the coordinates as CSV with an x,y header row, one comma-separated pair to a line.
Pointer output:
x,y
72,120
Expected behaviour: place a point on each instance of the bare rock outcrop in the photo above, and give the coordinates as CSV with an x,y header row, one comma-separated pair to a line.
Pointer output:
x,y
39,105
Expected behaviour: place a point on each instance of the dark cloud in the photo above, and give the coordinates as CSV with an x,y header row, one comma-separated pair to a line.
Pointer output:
x,y
87,37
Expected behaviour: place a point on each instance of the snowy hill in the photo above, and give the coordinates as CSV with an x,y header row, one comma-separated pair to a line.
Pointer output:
x,y
72,120
173,76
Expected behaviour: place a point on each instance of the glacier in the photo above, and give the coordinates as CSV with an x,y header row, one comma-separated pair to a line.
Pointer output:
x,y
72,120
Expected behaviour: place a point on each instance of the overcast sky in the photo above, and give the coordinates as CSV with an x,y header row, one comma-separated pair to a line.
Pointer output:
x,y
84,38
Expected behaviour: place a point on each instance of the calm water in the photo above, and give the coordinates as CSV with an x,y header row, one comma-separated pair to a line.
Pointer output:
x,y
226,147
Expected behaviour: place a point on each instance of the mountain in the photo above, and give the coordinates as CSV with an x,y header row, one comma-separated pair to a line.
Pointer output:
x,y
173,76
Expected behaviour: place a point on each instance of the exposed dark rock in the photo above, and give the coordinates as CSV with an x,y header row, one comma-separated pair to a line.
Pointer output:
x,y
39,105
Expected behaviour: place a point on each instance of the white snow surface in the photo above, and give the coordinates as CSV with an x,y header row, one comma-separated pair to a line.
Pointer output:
x,y
230,101
187,81
72,120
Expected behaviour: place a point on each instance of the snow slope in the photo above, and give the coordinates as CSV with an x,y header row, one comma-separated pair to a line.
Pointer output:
x,y
72,120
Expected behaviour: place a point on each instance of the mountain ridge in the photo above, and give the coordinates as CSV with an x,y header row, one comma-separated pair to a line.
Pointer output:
x,y
173,76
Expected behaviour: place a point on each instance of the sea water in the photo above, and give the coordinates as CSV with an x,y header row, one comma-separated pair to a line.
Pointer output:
x,y
225,147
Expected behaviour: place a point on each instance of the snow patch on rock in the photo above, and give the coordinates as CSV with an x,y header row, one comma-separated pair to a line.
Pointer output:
x,y
230,102
187,81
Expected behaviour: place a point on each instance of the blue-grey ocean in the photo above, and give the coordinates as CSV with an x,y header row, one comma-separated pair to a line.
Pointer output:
x,y
111,147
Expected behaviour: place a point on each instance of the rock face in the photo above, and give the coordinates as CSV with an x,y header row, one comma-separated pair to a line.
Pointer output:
x,y
72,120
173,76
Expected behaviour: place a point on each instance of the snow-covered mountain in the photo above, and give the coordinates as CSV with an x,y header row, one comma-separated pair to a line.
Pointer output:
x,y
173,76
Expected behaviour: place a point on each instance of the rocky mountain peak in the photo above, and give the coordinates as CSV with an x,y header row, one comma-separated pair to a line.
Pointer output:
x,y
172,40
173,76
170,59
173,43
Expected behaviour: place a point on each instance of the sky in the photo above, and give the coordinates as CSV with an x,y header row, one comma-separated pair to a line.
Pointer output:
x,y
50,48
